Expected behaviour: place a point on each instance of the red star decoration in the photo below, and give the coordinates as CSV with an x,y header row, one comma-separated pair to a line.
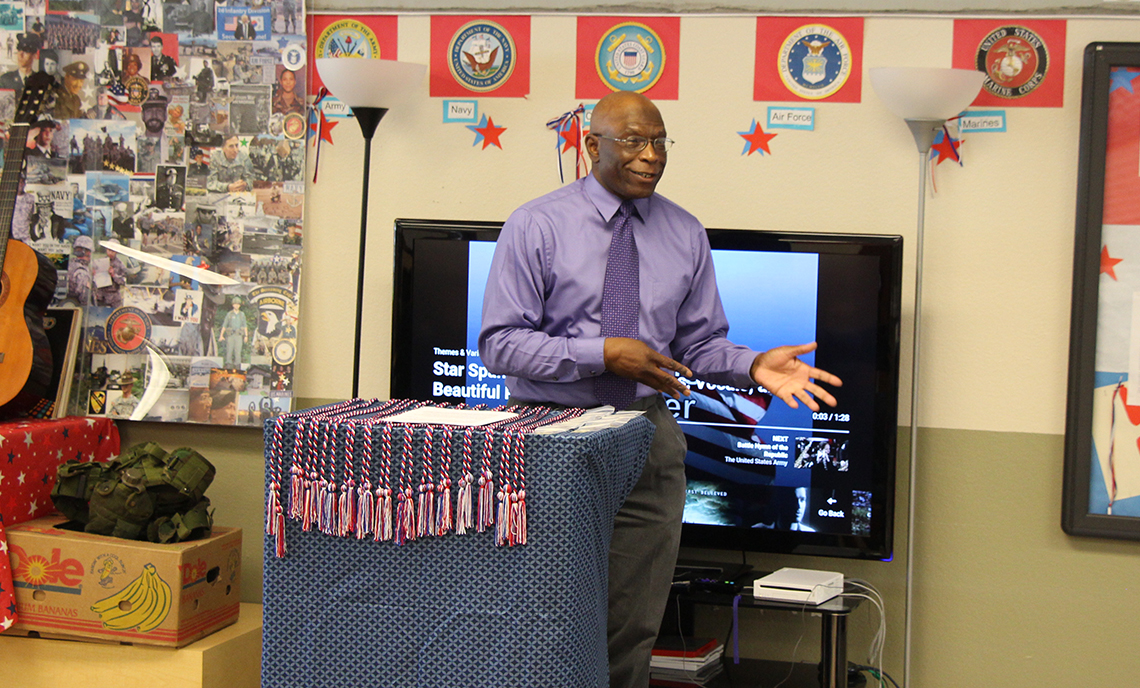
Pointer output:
x,y
947,149
1108,263
571,135
491,134
327,127
758,140
1133,412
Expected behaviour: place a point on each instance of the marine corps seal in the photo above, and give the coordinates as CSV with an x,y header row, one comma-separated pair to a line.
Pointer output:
x,y
127,329
630,57
1014,59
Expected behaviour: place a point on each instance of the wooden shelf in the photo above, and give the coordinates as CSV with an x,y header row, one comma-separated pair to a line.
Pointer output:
x,y
229,658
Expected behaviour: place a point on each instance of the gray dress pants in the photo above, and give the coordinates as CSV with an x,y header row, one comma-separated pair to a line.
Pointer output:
x,y
643,552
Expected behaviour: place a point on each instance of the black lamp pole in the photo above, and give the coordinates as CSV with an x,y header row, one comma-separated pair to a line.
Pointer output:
x,y
369,118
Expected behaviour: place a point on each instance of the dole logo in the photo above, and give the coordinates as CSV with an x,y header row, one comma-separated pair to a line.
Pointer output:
x,y
37,569
193,572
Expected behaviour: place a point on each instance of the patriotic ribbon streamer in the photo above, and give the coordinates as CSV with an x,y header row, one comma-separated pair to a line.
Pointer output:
x,y
1112,448
324,93
568,126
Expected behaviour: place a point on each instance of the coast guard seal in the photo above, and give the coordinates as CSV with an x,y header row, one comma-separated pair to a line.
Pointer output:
x,y
814,61
1014,59
630,57
481,55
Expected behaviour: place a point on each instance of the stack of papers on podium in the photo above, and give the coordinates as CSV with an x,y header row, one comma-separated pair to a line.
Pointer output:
x,y
594,419
685,661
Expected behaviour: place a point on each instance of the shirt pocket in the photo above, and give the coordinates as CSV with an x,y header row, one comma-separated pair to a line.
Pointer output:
x,y
661,300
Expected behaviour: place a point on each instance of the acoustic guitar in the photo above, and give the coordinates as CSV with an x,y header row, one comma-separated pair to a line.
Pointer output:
x,y
27,279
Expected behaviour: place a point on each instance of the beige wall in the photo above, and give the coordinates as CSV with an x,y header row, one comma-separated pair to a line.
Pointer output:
x,y
1001,596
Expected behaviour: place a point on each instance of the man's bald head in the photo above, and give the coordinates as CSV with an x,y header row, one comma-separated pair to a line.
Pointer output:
x,y
626,169
611,111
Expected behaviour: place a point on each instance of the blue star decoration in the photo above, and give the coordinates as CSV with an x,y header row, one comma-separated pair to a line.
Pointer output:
x,y
1122,78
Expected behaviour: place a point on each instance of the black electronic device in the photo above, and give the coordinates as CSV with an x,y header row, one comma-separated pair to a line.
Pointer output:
x,y
762,476
705,576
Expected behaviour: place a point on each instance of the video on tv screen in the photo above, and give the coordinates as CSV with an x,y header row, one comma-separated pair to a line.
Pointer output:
x,y
762,476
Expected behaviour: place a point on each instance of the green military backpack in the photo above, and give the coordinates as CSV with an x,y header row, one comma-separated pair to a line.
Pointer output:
x,y
144,494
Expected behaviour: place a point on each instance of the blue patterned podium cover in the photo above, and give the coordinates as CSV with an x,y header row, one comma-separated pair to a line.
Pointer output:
x,y
346,608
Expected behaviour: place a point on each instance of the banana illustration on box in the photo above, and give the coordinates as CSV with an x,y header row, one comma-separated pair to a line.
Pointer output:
x,y
143,604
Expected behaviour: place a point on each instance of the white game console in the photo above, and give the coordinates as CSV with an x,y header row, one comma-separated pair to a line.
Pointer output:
x,y
805,586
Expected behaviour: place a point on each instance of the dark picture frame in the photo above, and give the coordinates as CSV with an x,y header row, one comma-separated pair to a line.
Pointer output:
x,y
1101,492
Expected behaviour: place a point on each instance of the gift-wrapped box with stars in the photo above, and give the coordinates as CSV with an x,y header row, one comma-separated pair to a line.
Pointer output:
x,y
30,453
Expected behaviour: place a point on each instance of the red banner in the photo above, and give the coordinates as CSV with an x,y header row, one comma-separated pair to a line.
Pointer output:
x,y
639,54
1122,154
1024,61
480,56
809,58
349,35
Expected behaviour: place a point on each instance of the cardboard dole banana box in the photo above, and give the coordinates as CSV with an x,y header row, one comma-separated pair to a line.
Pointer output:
x,y
78,585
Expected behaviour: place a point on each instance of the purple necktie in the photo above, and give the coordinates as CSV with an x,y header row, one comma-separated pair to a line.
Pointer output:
x,y
621,300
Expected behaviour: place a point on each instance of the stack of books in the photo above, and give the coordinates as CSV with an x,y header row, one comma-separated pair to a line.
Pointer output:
x,y
685,662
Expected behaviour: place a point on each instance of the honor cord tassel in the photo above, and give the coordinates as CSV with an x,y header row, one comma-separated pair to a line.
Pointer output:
x,y
384,526
463,497
443,487
426,507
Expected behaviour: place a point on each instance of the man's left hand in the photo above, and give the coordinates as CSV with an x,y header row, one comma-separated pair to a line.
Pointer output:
x,y
781,372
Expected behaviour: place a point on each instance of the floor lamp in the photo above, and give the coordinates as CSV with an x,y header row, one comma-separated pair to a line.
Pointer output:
x,y
925,98
370,87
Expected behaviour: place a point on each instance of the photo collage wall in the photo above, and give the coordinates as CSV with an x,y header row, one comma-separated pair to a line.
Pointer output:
x,y
164,180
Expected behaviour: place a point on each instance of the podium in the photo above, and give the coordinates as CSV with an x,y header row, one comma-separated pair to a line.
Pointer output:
x,y
452,610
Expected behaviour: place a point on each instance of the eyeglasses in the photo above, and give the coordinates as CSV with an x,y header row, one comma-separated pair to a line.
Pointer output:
x,y
635,144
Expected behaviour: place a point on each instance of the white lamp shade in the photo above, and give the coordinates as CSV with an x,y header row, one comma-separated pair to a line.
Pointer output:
x,y
926,92
364,82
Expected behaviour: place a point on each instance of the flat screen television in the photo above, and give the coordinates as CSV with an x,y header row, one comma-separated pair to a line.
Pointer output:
x,y
761,475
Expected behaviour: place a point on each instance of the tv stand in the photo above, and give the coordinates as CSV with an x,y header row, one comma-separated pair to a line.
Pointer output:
x,y
833,636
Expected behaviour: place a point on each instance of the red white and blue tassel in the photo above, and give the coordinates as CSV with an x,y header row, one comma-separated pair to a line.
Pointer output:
x,y
443,487
347,505
274,514
464,511
405,509
384,524
485,514
425,505
365,511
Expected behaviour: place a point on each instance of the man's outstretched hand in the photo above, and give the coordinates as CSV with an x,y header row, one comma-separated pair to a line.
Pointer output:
x,y
781,372
633,359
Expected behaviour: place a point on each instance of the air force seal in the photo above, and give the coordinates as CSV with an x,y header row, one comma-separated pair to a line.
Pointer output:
x,y
630,57
1014,59
814,61
481,55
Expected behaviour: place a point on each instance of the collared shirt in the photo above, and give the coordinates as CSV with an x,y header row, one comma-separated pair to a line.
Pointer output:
x,y
542,308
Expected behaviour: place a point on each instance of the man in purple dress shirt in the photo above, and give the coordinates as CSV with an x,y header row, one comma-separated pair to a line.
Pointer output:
x,y
542,329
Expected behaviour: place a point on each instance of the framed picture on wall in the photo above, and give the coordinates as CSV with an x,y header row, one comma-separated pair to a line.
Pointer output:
x,y
1102,429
